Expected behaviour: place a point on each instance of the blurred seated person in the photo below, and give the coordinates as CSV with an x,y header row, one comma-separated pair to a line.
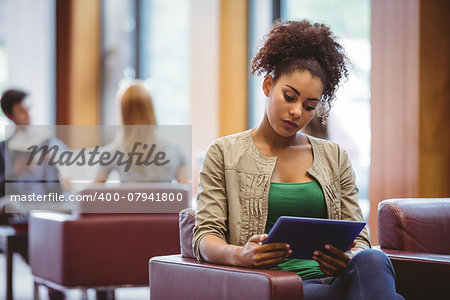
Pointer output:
x,y
22,178
17,176
139,131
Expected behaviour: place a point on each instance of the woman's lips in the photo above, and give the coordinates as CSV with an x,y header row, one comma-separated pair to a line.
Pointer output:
x,y
290,124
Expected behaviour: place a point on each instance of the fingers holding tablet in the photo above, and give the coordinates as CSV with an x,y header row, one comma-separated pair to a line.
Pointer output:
x,y
332,261
254,254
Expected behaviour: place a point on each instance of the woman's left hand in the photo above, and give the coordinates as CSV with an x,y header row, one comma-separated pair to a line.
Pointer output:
x,y
332,262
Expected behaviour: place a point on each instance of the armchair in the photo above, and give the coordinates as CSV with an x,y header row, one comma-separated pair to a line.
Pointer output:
x,y
183,277
415,234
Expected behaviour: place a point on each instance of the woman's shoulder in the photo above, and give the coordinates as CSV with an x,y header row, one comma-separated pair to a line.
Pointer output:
x,y
231,148
328,149
233,141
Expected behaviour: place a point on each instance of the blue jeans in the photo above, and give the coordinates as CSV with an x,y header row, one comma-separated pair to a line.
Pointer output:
x,y
369,275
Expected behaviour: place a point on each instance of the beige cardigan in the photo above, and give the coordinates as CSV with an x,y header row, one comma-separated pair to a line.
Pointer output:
x,y
232,199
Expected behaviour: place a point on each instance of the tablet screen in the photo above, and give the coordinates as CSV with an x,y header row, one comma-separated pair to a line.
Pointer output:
x,y
305,235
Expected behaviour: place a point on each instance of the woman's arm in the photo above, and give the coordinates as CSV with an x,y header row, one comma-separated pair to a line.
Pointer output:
x,y
211,222
102,176
182,175
333,261
104,170
350,209
252,255
211,217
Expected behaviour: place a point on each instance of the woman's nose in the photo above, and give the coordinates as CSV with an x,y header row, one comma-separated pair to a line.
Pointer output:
x,y
296,111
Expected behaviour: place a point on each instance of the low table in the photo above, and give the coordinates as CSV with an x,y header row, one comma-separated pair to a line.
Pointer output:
x,y
12,240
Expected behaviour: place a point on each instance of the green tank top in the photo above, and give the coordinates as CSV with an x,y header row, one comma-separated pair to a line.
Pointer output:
x,y
304,199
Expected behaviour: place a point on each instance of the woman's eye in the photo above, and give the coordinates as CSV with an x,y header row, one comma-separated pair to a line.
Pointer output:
x,y
288,98
307,107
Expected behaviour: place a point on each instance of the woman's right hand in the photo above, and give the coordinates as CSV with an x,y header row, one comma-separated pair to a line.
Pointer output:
x,y
256,255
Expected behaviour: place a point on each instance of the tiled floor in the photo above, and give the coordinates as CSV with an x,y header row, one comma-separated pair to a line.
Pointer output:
x,y
23,285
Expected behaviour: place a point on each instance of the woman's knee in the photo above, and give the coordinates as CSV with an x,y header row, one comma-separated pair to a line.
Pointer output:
x,y
372,258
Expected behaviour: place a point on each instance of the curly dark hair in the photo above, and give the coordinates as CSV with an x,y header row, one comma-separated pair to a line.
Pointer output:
x,y
299,45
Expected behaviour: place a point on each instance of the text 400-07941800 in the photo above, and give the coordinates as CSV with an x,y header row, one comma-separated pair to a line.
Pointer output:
x,y
153,197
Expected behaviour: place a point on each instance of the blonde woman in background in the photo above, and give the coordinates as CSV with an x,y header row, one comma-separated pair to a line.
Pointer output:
x,y
139,126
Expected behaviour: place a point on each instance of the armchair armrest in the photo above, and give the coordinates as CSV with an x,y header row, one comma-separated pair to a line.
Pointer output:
x,y
439,259
175,277
420,275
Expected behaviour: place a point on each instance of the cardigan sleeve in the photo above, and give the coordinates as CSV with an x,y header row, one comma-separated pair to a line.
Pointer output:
x,y
350,209
212,207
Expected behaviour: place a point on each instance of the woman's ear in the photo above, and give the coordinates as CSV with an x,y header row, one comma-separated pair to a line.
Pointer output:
x,y
267,85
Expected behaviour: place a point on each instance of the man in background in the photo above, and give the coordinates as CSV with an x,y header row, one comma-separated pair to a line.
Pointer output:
x,y
16,109
13,164
21,177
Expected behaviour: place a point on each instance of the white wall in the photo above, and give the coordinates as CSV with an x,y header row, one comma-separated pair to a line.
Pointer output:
x,y
204,60
27,33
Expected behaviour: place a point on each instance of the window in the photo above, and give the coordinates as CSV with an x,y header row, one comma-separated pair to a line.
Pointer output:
x,y
260,19
118,53
27,54
164,61
149,40
3,69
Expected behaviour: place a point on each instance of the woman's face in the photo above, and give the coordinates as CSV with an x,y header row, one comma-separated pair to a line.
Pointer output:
x,y
292,101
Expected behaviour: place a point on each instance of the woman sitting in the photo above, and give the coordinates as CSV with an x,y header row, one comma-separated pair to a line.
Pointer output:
x,y
139,132
250,179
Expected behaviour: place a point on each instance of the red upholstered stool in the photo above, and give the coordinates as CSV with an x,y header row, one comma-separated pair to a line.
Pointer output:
x,y
99,251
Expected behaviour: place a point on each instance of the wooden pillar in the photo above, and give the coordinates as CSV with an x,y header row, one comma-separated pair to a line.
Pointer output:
x,y
78,62
63,54
410,102
434,106
233,74
78,70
